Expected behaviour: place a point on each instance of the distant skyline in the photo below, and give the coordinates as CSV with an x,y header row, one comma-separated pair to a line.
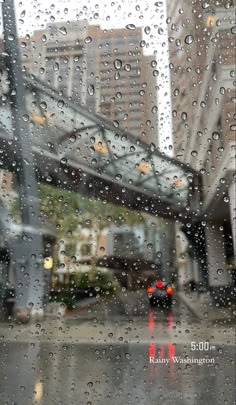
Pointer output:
x,y
36,14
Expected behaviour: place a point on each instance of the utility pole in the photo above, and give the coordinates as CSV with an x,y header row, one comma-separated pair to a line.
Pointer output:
x,y
28,254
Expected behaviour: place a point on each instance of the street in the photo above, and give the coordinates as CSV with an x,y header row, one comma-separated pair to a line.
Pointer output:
x,y
118,351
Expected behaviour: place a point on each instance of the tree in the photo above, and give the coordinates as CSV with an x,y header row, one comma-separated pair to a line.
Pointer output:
x,y
66,211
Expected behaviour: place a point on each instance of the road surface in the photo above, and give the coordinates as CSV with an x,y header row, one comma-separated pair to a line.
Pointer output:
x,y
119,351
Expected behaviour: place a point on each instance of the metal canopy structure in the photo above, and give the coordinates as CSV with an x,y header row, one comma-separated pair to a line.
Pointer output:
x,y
80,151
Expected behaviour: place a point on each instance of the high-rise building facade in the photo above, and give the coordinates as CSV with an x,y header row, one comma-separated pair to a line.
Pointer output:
x,y
202,61
104,70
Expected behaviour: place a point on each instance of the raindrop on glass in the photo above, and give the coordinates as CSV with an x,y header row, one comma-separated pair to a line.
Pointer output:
x,y
88,40
189,39
91,89
63,30
130,27
216,136
118,64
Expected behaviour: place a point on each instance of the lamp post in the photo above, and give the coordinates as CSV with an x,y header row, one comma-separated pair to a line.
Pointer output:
x,y
28,253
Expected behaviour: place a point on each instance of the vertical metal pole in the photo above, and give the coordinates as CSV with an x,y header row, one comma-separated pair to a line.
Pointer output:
x,y
29,255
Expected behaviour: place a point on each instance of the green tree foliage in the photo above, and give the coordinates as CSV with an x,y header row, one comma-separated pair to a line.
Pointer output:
x,y
67,210
60,208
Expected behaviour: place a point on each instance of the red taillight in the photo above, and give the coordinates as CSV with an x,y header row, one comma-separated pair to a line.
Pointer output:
x,y
169,290
159,284
150,290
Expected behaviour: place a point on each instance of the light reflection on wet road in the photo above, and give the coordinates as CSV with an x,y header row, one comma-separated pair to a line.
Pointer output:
x,y
118,371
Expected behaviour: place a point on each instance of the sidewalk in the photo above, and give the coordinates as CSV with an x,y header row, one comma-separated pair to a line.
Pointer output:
x,y
58,310
202,307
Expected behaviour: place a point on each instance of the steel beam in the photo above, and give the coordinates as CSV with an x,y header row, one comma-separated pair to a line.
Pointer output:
x,y
28,255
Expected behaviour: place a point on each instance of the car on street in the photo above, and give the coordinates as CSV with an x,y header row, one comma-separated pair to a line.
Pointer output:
x,y
160,293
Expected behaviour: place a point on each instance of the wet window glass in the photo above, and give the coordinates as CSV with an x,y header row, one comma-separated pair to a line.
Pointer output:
x,y
117,202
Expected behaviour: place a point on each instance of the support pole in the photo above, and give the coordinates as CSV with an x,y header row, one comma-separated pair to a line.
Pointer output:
x,y
197,239
28,255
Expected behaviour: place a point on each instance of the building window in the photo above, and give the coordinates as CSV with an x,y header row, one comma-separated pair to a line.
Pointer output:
x,y
86,250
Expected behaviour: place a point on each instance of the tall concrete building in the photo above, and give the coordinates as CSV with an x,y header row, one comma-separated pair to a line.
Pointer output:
x,y
202,61
104,70
127,86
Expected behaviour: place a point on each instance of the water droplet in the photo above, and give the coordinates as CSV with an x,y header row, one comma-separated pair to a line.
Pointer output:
x,y
205,5
222,90
60,104
118,176
63,30
56,66
43,38
127,67
160,31
233,30
216,136
128,355
184,116
88,40
154,109
25,117
11,37
117,64
130,27
194,153
149,246
49,179
220,272
226,199
158,3
90,384
90,89
147,30
43,105
72,138
189,39
152,147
